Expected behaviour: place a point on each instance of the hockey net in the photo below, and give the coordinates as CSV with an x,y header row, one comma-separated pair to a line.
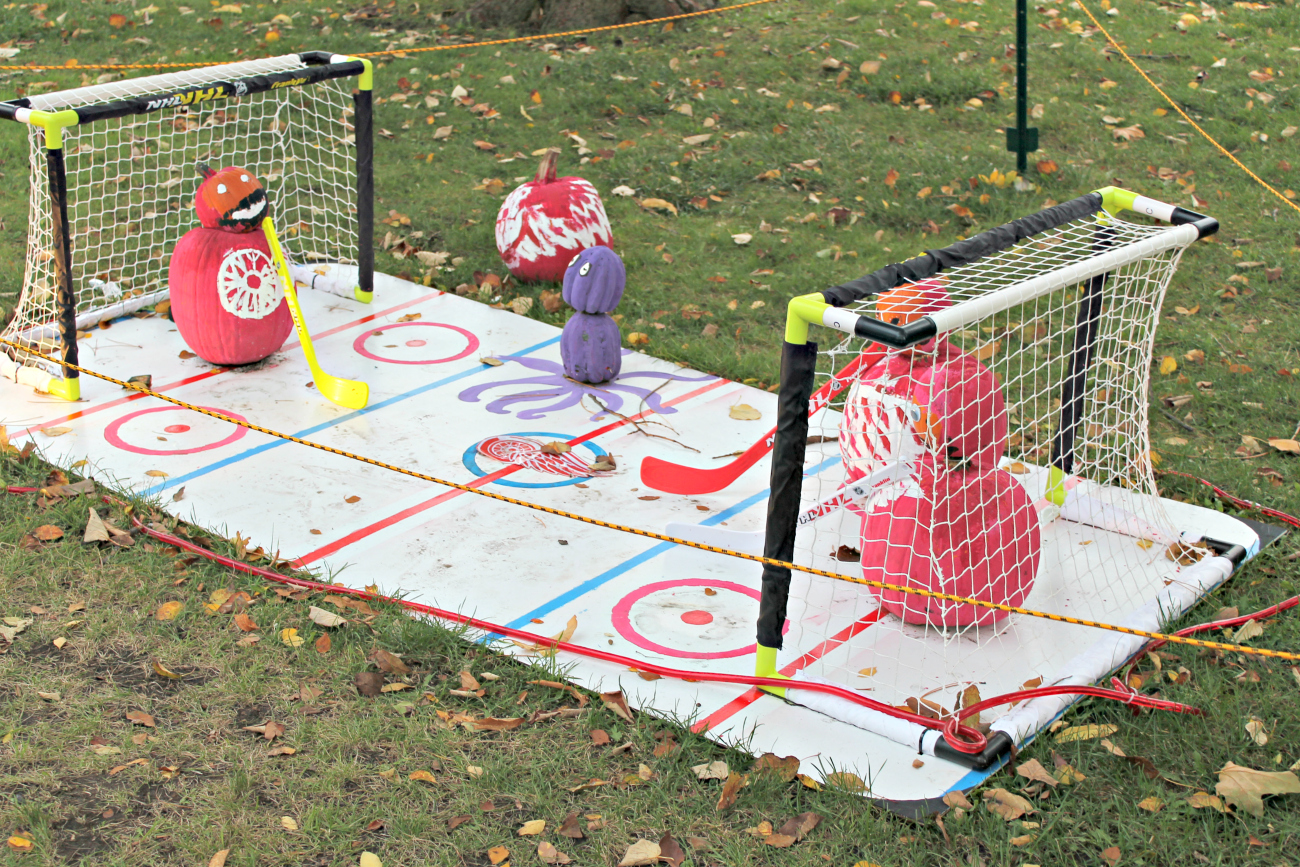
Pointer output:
x,y
131,180
1005,458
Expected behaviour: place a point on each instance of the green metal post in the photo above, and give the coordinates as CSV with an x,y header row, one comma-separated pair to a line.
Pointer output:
x,y
1022,140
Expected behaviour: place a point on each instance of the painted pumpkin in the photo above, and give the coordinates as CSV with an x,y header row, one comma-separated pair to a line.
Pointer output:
x,y
544,223
594,281
591,347
968,533
227,299
230,199
906,304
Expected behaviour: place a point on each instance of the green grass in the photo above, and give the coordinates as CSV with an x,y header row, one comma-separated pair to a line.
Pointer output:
x,y
230,793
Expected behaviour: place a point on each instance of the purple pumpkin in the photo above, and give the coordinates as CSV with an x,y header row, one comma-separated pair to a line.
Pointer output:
x,y
594,281
591,348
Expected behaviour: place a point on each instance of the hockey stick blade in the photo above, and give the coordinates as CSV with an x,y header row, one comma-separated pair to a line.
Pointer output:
x,y
345,392
688,481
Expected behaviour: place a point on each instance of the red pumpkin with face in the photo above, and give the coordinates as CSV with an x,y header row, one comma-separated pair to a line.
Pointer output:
x,y
230,199
227,300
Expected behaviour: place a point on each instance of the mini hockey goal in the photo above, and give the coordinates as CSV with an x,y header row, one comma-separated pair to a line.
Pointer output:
x,y
990,427
113,180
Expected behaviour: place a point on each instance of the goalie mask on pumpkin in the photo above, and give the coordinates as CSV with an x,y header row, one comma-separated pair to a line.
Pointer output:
x,y
230,199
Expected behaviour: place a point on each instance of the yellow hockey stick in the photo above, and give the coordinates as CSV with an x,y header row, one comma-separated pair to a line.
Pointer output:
x,y
344,392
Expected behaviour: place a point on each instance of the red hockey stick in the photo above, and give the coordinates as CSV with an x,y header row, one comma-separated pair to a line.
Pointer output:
x,y
677,479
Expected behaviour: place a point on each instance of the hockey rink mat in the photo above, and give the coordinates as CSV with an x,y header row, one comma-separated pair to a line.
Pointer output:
x,y
437,408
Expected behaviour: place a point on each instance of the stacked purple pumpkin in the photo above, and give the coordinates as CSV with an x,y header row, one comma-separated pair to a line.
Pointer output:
x,y
591,346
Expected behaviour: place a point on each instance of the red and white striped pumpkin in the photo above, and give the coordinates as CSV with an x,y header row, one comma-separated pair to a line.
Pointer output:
x,y
544,223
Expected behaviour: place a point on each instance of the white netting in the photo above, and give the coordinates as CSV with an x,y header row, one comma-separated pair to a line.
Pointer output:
x,y
131,184
955,439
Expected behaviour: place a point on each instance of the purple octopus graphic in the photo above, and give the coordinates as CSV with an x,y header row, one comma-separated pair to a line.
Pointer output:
x,y
563,392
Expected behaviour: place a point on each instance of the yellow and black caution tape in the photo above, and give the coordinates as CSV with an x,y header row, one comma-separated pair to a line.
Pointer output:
x,y
1176,107
663,537
667,19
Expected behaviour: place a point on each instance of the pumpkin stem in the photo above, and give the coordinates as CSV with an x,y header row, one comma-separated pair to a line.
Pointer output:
x,y
204,169
546,171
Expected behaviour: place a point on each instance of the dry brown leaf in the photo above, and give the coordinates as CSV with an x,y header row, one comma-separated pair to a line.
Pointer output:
x,y
140,718
658,205
548,854
496,724
422,776
1111,855
1034,770
1008,805
323,644
169,610
617,704
731,790
641,853
846,780
95,529
569,828
957,799
1201,800
785,768
1151,804
244,622
389,663
219,859
269,729
162,671
1245,787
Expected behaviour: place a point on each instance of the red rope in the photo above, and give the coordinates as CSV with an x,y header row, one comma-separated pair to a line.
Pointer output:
x,y
960,737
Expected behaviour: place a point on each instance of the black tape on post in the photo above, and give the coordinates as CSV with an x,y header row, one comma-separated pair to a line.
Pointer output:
x,y
798,364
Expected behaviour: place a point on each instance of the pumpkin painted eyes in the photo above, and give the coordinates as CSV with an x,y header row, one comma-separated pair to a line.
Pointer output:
x,y
574,259
585,269
244,178
221,189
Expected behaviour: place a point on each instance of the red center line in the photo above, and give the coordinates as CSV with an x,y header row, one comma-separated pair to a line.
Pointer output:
x,y
751,695
208,374
357,535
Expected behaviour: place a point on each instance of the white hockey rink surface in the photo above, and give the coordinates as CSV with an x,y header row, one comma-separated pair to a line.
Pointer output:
x,y
431,402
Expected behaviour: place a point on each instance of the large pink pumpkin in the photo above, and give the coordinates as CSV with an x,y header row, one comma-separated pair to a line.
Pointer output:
x,y
970,533
227,299
923,407
544,223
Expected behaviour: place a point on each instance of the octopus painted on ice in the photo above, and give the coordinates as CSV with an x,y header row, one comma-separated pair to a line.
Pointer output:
x,y
556,391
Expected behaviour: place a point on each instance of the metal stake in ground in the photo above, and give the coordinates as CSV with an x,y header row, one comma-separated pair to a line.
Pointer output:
x,y
1023,139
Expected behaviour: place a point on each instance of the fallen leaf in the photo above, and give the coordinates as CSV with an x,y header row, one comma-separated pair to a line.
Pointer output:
x,y
1085,733
140,718
1008,805
219,859
370,859
47,533
712,771
1034,770
1111,855
548,854
95,529
640,853
495,724
288,824
532,828
1201,800
497,854
321,617
731,790
785,768
658,205
290,638
244,622
1257,730
957,799
269,730
421,777
168,610
162,671
1245,787
21,844
742,239
474,771
369,683
617,704
389,663
1151,804
846,780
1168,364
323,644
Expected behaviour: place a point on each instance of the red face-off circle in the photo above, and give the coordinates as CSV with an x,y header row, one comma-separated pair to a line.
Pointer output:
x,y
716,615
470,344
113,433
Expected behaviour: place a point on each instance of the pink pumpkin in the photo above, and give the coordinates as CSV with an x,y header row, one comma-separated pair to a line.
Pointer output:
x,y
937,406
544,223
227,299
970,533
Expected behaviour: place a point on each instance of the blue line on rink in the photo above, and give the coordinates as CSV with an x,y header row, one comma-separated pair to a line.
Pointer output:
x,y
306,432
648,554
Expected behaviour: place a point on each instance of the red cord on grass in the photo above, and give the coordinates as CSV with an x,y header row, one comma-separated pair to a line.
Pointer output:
x,y
960,737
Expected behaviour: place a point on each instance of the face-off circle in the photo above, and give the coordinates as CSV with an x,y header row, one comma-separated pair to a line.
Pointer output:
x,y
502,447
198,433
681,618
412,349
